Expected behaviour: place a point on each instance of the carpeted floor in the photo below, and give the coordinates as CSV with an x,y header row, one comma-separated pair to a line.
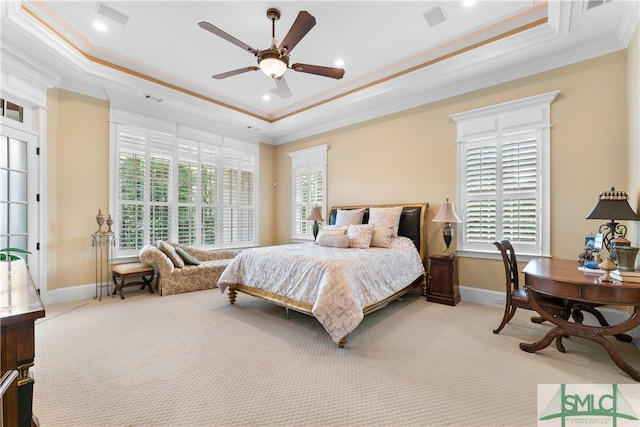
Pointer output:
x,y
194,360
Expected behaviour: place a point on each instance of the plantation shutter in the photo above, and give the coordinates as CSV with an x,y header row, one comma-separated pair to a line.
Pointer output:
x,y
130,215
309,187
209,158
503,159
502,200
178,189
308,177
187,182
238,176
520,190
482,194
160,185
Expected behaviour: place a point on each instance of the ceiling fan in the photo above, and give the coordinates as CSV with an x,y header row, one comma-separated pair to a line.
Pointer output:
x,y
275,60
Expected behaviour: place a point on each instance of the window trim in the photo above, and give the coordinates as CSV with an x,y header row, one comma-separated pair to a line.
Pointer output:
x,y
308,160
527,115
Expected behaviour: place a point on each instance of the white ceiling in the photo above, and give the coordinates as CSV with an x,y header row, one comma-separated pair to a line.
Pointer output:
x,y
393,58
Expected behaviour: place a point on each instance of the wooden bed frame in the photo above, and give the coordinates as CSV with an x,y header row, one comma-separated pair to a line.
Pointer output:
x,y
411,226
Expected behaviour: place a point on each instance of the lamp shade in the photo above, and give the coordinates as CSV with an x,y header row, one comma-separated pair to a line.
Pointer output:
x,y
315,215
446,213
613,205
272,63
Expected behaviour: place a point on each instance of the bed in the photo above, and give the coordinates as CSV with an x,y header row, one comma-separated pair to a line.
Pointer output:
x,y
337,285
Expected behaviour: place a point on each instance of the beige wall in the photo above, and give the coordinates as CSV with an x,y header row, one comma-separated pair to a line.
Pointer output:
x,y
411,156
77,184
267,194
405,157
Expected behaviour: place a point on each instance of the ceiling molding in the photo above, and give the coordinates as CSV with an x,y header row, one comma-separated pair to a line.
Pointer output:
x,y
629,22
532,41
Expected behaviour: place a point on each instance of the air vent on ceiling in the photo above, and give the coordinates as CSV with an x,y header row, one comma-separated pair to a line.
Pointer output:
x,y
151,97
590,4
435,16
111,13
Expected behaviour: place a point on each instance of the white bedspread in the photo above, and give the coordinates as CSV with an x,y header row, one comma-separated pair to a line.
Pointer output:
x,y
338,283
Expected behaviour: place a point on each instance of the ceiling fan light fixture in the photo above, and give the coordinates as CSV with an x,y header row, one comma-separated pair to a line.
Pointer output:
x,y
272,64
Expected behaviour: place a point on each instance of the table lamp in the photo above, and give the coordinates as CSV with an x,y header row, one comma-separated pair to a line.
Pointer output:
x,y
316,217
612,205
447,215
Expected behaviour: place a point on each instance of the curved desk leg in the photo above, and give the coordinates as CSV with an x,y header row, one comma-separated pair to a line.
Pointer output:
x,y
593,333
554,334
616,357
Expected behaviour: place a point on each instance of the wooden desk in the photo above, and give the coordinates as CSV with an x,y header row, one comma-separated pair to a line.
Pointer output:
x,y
561,278
20,306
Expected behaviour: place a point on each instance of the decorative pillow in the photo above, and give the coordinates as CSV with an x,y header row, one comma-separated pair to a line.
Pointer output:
x,y
360,235
335,227
334,240
386,216
349,216
381,236
187,257
170,251
324,231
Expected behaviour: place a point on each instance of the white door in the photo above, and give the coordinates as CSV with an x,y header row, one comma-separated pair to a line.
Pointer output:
x,y
19,194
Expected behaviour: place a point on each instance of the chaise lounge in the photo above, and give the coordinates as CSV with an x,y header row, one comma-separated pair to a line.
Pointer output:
x,y
183,268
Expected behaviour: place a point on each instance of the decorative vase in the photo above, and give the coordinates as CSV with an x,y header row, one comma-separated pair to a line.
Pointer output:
x,y
607,266
619,243
109,224
100,221
626,257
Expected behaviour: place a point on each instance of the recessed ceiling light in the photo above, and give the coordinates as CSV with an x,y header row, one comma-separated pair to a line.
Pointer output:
x,y
468,3
339,63
266,98
100,26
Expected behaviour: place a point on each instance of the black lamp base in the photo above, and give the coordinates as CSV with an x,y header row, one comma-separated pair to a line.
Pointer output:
x,y
447,233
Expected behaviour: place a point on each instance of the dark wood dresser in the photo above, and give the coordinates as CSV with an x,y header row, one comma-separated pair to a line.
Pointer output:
x,y
20,306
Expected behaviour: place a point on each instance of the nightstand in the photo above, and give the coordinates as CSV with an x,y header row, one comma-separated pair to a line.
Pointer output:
x,y
443,286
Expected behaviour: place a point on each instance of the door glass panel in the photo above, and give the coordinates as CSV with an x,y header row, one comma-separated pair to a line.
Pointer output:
x,y
18,215
13,193
18,186
4,152
17,154
4,225
4,189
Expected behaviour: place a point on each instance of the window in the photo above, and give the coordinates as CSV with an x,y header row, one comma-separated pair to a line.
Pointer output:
x,y
177,189
308,184
503,176
12,111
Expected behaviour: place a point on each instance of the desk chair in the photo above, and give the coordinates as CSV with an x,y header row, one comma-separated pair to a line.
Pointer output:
x,y
516,297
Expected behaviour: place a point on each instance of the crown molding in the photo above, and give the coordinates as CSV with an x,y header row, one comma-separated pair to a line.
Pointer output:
x,y
629,22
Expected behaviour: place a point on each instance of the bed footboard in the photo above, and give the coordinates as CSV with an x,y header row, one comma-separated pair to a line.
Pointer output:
x,y
305,308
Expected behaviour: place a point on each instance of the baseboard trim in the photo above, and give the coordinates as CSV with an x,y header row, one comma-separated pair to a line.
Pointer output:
x,y
71,293
496,299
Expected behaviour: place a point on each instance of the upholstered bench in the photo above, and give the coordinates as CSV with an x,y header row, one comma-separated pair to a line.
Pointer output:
x,y
133,270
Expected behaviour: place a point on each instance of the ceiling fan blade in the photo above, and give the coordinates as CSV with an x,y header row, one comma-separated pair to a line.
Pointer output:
x,y
301,26
282,88
218,32
234,72
334,73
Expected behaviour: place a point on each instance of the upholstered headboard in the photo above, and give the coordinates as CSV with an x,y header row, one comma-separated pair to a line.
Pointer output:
x,y
412,223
